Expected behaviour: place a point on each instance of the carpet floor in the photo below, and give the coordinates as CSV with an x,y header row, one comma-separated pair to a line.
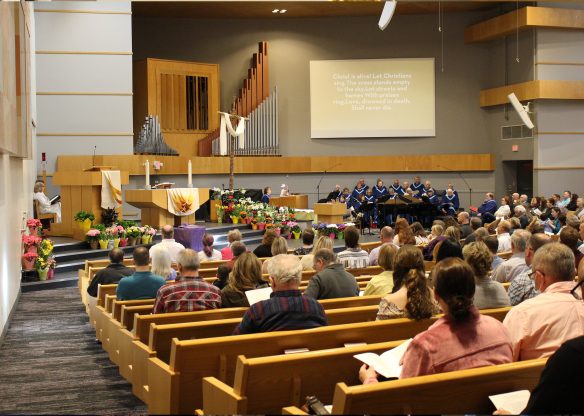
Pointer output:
x,y
50,362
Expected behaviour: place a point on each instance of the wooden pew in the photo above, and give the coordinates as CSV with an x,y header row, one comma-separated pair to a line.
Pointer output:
x,y
97,312
370,246
175,387
160,338
505,255
140,328
456,392
263,385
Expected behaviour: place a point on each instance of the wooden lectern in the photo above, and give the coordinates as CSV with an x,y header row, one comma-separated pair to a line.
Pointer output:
x,y
153,205
330,213
81,191
298,201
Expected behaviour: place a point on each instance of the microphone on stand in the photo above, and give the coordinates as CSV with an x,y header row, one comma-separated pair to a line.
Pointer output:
x,y
93,159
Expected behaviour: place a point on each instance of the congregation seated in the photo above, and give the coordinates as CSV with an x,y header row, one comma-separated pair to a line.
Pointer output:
x,y
520,213
475,225
492,243
353,257
143,284
569,237
420,236
331,279
111,274
504,210
411,296
287,308
538,326
245,275
489,294
382,283
386,236
436,236
168,242
447,248
279,246
189,294
223,271
45,205
307,242
552,224
504,236
307,260
579,211
209,253
237,249
515,265
232,237
462,339
522,286
161,263
264,249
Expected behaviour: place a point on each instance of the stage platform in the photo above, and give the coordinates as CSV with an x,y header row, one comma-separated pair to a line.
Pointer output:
x,y
71,254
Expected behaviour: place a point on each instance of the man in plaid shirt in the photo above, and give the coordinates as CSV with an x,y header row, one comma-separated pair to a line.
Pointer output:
x,y
190,293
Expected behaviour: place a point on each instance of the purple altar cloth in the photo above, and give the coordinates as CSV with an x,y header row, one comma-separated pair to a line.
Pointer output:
x,y
190,236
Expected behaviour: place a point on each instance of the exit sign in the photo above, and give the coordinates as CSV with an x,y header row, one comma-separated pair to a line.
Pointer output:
x,y
515,148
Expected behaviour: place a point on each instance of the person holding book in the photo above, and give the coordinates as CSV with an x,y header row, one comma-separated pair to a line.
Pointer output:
x,y
246,275
462,339
411,296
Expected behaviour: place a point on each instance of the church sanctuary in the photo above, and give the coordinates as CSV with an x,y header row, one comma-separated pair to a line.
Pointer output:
x,y
291,207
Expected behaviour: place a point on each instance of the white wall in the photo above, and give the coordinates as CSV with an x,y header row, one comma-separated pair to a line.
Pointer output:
x,y
75,123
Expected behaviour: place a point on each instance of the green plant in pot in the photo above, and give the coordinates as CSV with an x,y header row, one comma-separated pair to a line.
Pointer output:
x,y
85,219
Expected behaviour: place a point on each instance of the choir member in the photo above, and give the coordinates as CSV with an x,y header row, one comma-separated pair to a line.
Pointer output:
x,y
427,187
417,187
379,189
396,186
359,190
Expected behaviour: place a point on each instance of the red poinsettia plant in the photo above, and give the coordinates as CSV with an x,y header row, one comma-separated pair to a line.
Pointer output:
x,y
31,240
33,222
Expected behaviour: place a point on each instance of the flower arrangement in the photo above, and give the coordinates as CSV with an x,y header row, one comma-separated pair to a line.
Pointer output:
x,y
133,231
148,230
41,263
81,216
243,214
45,248
51,263
33,222
294,227
92,235
31,241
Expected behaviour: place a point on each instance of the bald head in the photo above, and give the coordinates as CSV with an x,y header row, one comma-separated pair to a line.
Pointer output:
x,y
167,232
387,234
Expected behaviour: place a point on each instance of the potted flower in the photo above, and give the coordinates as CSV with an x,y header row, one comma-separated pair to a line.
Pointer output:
x,y
109,216
31,243
147,234
45,249
220,213
42,267
341,233
254,223
295,229
235,213
133,233
285,230
84,219
261,222
33,226
52,266
331,231
244,217
92,237
122,235
28,260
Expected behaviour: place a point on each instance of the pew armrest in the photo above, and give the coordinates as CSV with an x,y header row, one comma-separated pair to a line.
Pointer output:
x,y
219,398
293,410
163,385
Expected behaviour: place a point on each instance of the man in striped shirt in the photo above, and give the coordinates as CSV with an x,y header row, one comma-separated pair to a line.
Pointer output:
x,y
191,292
287,308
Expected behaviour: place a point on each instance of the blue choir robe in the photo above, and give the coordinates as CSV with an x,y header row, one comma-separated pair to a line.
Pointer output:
x,y
397,189
379,192
359,192
453,200
489,206
434,200
266,199
401,191
425,190
369,199
419,188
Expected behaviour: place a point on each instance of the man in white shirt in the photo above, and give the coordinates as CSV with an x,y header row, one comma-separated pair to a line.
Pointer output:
x,y
515,265
386,235
538,326
503,236
168,242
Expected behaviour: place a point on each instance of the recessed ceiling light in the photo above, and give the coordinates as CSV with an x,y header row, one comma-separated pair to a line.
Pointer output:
x,y
283,11
275,11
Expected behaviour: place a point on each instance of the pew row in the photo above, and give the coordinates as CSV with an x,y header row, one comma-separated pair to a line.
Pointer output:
x,y
176,387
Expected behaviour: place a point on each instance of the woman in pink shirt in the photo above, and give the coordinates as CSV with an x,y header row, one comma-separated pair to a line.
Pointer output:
x,y
232,236
462,339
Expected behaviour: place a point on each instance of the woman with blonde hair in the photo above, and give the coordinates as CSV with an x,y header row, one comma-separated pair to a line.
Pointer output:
x,y
403,233
488,293
453,233
232,236
279,246
246,275
307,260
411,296
161,264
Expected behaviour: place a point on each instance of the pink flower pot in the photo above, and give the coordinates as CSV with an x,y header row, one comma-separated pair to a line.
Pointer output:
x,y
289,236
123,242
51,274
27,264
332,236
261,226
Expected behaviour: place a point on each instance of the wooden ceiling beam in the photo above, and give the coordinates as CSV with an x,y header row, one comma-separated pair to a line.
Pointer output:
x,y
523,19
534,90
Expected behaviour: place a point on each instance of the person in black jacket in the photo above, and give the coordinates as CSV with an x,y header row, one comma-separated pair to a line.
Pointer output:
x,y
111,274
265,248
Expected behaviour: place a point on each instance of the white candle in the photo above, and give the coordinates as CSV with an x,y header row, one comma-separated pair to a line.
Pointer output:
x,y
147,167
190,174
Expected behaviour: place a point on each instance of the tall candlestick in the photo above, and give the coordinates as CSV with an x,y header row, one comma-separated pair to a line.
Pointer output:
x,y
190,174
147,166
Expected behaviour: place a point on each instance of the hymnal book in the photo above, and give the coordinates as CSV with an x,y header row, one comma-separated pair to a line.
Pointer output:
x,y
257,295
537,212
388,363
55,199
513,402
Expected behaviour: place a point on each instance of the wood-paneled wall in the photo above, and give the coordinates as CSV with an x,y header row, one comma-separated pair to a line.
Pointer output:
x,y
15,82
302,164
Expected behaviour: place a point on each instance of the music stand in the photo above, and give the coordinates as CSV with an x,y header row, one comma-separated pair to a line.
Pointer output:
x,y
366,208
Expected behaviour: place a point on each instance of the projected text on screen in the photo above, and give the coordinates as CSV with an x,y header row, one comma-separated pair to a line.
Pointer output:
x,y
372,98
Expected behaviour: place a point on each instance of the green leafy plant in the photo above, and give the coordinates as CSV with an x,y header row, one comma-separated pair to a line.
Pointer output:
x,y
81,216
109,216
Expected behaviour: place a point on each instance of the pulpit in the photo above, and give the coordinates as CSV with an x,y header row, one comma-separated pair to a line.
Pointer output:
x,y
297,201
154,207
330,213
81,191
